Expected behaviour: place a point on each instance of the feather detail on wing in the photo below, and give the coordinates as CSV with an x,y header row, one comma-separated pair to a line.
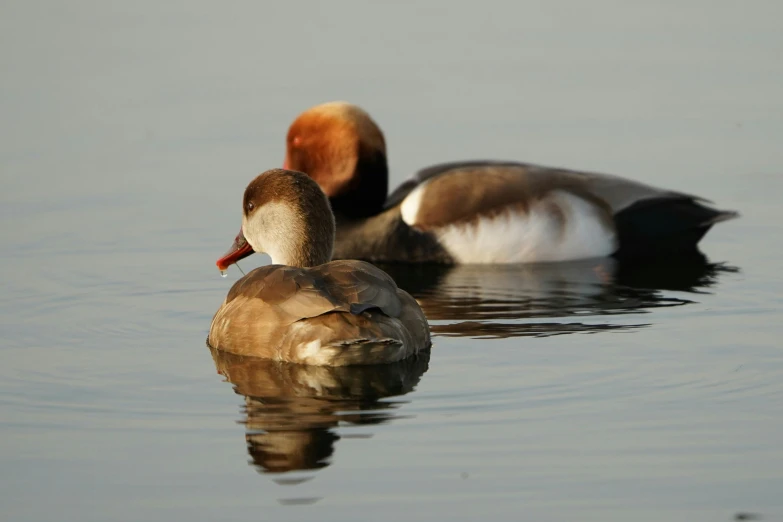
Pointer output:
x,y
468,188
339,286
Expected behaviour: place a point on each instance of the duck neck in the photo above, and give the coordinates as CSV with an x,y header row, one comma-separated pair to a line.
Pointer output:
x,y
293,235
302,251
367,192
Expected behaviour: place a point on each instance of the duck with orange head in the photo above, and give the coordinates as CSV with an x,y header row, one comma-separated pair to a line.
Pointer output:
x,y
483,211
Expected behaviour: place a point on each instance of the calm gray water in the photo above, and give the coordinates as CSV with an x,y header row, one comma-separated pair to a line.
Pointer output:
x,y
128,133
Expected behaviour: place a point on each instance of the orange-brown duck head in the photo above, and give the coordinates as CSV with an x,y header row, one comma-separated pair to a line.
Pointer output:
x,y
340,146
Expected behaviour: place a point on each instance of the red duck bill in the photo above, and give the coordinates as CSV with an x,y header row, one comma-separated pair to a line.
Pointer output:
x,y
239,250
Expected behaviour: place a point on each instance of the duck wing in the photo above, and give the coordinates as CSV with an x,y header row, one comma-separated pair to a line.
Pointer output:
x,y
294,293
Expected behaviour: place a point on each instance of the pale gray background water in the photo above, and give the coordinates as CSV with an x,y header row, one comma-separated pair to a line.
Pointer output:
x,y
128,132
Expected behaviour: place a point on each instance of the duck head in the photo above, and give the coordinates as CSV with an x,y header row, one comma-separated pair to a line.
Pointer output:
x,y
286,215
340,146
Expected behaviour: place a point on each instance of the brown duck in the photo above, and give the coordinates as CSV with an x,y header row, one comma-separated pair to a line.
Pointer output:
x,y
303,308
482,211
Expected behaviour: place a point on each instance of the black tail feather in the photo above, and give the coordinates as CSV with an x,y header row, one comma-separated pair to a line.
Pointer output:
x,y
665,226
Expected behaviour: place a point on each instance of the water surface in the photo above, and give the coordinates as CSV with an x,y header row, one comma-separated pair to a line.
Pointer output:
x,y
587,391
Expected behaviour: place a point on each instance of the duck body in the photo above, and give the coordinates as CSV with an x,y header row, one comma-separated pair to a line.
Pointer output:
x,y
336,314
483,211
305,309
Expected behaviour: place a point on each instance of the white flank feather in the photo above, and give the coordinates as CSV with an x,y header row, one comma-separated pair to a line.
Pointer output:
x,y
535,236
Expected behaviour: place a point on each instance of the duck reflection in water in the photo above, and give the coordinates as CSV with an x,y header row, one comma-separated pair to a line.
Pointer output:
x,y
292,411
497,301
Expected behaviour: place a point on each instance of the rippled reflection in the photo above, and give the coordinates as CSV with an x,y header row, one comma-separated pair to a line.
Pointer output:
x,y
291,411
491,301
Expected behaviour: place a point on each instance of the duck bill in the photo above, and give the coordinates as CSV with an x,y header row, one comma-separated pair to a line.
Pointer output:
x,y
239,250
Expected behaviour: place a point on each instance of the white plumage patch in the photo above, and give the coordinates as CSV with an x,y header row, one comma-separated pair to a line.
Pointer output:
x,y
410,205
538,235
314,353
311,349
